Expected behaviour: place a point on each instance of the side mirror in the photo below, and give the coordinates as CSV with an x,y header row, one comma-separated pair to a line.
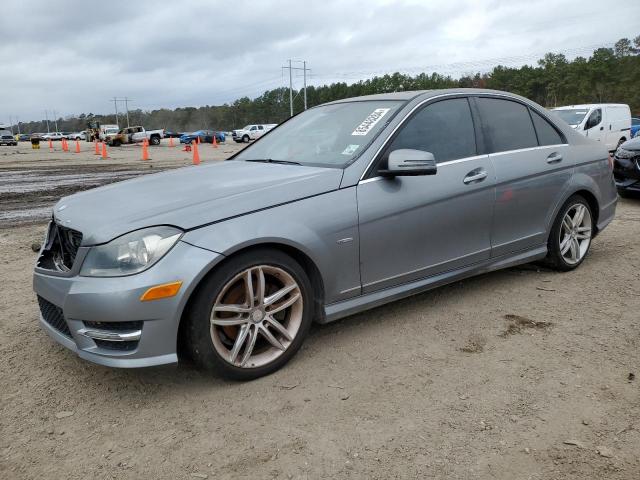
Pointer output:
x,y
409,162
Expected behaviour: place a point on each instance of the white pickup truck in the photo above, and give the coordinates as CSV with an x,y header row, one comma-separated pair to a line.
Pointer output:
x,y
135,135
251,132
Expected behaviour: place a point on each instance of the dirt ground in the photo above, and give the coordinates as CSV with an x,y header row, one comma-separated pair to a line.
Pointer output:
x,y
519,374
31,181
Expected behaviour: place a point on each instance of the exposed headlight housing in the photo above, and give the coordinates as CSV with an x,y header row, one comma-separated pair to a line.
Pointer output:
x,y
131,253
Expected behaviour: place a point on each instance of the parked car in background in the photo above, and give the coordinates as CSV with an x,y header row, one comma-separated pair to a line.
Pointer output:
x,y
103,131
54,136
635,126
7,138
135,134
171,134
77,135
251,132
24,137
626,167
608,123
344,207
206,136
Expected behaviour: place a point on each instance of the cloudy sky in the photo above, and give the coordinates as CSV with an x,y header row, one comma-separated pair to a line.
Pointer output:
x,y
74,57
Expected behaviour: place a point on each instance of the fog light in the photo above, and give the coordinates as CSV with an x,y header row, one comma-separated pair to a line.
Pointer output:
x,y
165,290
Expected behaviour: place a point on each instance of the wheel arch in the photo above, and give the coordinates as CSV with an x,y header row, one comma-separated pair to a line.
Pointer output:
x,y
591,199
297,254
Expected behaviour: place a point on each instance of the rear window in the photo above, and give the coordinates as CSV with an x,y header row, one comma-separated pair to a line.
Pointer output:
x,y
507,124
547,134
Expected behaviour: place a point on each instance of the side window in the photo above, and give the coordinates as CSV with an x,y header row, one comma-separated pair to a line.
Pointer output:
x,y
260,127
253,128
507,124
547,134
594,119
444,128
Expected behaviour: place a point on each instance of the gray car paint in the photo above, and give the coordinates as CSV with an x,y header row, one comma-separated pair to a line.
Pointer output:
x,y
371,239
188,199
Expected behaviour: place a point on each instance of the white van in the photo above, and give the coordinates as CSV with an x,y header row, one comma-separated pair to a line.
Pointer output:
x,y
609,123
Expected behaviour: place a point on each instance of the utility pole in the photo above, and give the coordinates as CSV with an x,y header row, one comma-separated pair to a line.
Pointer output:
x,y
55,119
46,115
115,105
126,106
18,124
304,69
11,124
290,91
291,69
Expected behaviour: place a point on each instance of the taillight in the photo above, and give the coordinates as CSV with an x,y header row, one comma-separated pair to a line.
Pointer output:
x,y
610,162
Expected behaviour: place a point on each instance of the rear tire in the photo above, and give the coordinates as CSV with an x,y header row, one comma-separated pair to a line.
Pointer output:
x,y
222,348
571,235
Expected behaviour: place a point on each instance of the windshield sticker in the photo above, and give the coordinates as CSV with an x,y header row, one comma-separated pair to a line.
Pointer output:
x,y
370,121
350,149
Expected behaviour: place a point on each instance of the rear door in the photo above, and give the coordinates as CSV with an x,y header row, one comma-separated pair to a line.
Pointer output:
x,y
532,165
416,227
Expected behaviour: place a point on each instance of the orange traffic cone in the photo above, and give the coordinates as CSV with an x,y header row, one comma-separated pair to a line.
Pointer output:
x,y
198,140
215,143
66,145
77,146
196,155
50,145
171,142
145,149
97,152
104,150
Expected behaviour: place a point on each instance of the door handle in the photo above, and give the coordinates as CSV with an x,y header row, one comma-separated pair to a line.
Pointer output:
x,y
474,176
554,158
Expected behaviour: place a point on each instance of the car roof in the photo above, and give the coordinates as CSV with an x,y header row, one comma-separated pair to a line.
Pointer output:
x,y
425,94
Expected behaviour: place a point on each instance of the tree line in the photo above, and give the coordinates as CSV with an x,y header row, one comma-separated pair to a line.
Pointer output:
x,y
609,75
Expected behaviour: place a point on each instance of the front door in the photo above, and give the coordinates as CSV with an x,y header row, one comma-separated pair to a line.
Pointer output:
x,y
416,227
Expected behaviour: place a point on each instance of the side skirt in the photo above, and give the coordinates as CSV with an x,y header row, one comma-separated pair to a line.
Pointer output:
x,y
351,306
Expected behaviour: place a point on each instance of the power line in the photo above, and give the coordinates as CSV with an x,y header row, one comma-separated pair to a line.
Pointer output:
x,y
291,69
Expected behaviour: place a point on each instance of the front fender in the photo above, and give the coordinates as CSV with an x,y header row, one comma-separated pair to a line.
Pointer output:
x,y
323,227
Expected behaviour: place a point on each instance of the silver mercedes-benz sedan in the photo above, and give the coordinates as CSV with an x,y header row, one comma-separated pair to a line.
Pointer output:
x,y
342,208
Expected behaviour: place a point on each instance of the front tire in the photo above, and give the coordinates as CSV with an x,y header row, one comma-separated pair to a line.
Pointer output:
x,y
571,234
250,316
245,139
155,141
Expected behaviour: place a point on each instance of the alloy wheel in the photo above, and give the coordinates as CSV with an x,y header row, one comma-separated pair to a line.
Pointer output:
x,y
575,233
256,316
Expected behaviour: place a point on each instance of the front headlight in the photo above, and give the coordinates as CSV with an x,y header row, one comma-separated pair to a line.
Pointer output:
x,y
130,253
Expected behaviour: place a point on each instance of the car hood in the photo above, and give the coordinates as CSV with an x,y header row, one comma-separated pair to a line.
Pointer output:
x,y
633,144
189,197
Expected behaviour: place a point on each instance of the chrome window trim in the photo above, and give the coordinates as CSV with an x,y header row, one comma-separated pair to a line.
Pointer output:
x,y
528,149
444,95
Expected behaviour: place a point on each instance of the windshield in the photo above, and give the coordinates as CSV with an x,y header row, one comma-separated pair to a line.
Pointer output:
x,y
326,136
572,116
